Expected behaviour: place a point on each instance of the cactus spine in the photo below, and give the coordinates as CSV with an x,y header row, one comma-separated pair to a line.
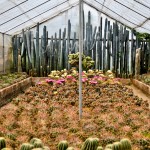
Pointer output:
x,y
63,145
26,146
70,148
2,142
99,148
126,144
90,144
117,146
109,146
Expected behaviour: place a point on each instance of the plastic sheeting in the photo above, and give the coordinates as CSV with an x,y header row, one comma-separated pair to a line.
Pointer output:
x,y
18,14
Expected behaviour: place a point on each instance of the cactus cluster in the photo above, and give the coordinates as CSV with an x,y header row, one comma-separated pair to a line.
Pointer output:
x,y
87,61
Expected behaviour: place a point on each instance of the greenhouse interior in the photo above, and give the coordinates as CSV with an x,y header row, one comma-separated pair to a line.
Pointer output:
x,y
75,75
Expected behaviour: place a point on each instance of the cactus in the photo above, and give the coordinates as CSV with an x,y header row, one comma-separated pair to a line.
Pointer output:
x,y
46,148
90,144
26,146
109,146
38,144
126,144
117,146
70,148
99,148
63,145
33,140
2,142
6,149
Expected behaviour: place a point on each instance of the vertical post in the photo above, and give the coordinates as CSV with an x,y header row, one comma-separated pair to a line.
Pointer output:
x,y
3,54
80,55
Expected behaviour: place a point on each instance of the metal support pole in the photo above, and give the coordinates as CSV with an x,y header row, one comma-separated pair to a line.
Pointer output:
x,y
3,54
80,55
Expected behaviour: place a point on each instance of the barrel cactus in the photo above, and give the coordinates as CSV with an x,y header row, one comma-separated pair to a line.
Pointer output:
x,y
117,146
109,146
90,144
126,144
37,143
63,145
6,148
26,146
70,148
46,148
2,142
99,148
33,140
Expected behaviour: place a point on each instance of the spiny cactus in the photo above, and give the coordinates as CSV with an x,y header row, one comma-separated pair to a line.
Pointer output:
x,y
37,149
70,148
109,146
99,148
26,146
108,149
117,146
63,145
33,140
2,142
90,144
46,148
126,144
38,144
6,149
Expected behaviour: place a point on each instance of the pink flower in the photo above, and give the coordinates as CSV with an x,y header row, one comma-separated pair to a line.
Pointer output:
x,y
93,82
74,80
84,79
49,80
62,80
58,82
39,83
69,77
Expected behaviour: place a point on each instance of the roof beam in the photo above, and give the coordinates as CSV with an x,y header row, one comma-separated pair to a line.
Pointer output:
x,y
142,4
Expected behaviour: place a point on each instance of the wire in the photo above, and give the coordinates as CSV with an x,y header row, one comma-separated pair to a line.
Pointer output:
x,y
142,4
13,7
35,16
24,12
130,8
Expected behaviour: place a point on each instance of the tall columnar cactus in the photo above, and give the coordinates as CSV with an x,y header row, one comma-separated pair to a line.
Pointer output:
x,y
90,144
117,146
126,144
2,142
63,145
26,146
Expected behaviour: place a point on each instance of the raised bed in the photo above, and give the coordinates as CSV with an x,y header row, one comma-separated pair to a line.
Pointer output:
x,y
7,93
142,86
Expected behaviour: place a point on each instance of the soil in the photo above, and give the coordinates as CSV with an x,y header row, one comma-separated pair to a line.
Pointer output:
x,y
50,112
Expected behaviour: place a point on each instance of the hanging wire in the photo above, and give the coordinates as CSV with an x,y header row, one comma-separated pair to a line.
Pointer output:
x,y
35,17
13,7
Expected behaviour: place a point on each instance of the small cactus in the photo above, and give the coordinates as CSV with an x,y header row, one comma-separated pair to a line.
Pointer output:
x,y
2,142
99,148
38,144
90,144
26,146
126,144
109,146
6,149
46,148
34,140
70,148
37,149
108,149
63,145
117,146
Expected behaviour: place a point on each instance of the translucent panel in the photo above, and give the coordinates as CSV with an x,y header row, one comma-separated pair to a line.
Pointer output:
x,y
42,14
18,14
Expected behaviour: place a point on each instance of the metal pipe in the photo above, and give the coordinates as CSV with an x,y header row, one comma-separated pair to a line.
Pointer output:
x,y
3,54
80,55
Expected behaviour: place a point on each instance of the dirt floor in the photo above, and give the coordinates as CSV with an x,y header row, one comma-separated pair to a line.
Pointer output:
x,y
140,94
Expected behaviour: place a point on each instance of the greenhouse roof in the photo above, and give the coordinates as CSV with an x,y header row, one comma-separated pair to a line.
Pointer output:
x,y
18,14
